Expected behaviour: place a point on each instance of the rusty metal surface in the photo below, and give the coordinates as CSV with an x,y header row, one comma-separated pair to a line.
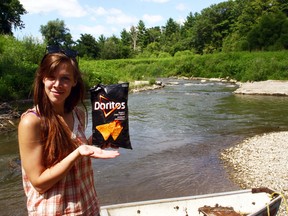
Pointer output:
x,y
219,211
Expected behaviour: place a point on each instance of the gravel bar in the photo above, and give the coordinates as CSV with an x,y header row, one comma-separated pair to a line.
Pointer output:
x,y
260,161
268,87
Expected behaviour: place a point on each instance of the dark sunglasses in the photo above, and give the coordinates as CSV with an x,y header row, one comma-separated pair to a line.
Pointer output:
x,y
57,49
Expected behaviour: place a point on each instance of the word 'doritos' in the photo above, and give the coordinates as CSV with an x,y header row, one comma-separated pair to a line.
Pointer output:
x,y
108,106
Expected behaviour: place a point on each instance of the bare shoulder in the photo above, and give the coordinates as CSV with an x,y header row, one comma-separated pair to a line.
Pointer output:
x,y
29,120
29,135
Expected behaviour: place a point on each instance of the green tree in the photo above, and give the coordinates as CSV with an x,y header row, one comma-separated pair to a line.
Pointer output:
x,y
249,15
201,34
269,30
211,27
188,24
171,27
101,41
283,39
10,15
126,45
171,37
142,35
154,34
125,37
111,48
283,6
187,30
87,46
55,33
251,11
153,48
190,20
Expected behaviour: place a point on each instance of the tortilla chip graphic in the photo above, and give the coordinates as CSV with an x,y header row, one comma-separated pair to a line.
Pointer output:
x,y
113,128
106,129
103,129
117,130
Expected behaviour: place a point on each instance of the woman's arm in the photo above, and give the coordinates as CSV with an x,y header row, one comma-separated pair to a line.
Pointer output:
x,y
30,147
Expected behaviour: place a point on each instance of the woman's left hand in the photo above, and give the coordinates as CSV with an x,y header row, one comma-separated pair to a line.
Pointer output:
x,y
95,152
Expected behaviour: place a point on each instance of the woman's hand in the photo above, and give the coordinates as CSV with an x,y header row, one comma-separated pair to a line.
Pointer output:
x,y
95,152
104,146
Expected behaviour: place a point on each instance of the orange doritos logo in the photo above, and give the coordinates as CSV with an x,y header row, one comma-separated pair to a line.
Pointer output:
x,y
113,128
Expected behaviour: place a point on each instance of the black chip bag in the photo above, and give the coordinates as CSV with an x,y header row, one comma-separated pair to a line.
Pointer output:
x,y
110,115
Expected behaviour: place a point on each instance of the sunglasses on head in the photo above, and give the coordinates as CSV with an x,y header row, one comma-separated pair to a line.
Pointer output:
x,y
57,49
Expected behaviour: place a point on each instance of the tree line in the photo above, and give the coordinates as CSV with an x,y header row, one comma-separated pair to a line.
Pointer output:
x,y
233,25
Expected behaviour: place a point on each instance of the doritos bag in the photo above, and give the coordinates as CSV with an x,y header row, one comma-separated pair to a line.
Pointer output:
x,y
110,115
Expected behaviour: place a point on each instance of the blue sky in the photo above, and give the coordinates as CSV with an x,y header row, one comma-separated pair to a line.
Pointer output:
x,y
107,17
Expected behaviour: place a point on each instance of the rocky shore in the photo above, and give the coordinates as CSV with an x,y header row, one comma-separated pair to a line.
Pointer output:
x,y
269,87
139,86
8,115
260,161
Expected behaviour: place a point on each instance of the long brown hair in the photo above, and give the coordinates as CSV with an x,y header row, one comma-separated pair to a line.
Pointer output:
x,y
56,136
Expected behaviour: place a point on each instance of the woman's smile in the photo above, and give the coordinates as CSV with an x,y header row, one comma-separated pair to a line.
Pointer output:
x,y
58,86
55,92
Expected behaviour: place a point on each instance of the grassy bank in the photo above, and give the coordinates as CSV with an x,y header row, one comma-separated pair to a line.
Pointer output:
x,y
242,66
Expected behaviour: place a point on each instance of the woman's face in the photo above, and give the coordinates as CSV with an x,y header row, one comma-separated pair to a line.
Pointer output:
x,y
58,86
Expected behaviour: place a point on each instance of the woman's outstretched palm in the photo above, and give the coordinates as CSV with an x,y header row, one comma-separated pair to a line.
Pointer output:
x,y
96,152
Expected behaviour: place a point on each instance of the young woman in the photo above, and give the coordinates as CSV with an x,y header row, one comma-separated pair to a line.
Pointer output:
x,y
55,154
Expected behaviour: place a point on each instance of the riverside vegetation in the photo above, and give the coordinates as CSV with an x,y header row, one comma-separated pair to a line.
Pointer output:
x,y
19,61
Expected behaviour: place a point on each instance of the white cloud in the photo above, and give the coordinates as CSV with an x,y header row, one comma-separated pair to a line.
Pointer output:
x,y
121,19
115,11
112,16
152,19
181,20
181,7
99,11
67,8
93,30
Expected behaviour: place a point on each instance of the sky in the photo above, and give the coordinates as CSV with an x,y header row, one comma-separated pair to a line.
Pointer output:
x,y
105,17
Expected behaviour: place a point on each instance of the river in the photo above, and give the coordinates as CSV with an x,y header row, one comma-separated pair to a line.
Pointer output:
x,y
177,133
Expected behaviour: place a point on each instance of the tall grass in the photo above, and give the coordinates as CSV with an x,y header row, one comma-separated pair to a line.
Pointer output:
x,y
241,66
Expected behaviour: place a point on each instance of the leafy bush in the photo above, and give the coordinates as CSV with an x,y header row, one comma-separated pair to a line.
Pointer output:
x,y
18,62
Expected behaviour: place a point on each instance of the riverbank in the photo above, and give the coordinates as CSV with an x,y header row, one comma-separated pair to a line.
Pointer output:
x,y
260,161
268,87
8,116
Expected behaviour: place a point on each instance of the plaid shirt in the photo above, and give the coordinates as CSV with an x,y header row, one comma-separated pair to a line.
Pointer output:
x,y
75,194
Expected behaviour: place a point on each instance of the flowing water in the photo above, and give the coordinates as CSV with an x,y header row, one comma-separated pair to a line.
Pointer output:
x,y
177,134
